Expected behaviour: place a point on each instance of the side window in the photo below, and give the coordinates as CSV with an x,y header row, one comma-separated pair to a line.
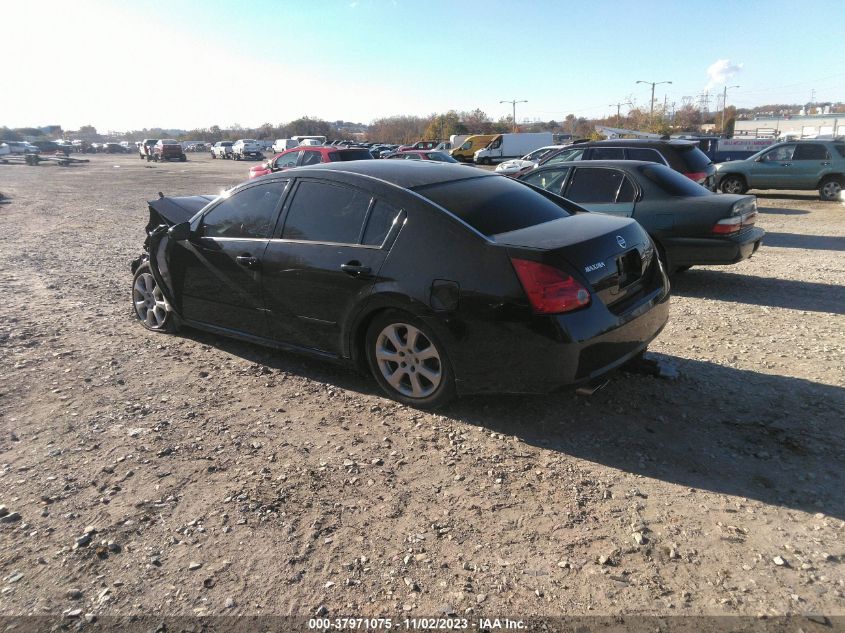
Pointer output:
x,y
381,219
321,212
496,144
645,153
246,214
811,151
627,192
784,152
412,156
286,161
594,185
577,154
311,158
607,153
551,179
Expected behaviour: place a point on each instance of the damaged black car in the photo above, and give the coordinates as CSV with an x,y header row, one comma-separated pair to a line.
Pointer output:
x,y
437,280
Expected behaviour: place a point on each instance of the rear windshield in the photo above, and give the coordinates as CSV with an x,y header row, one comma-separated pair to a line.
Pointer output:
x,y
493,205
439,156
693,158
672,182
169,141
350,154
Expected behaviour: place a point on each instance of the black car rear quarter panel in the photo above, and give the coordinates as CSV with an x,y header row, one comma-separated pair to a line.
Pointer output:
x,y
494,341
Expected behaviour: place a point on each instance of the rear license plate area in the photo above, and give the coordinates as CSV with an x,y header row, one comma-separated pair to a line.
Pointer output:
x,y
630,267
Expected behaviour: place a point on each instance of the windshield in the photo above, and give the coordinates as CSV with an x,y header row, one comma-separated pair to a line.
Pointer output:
x,y
493,205
672,182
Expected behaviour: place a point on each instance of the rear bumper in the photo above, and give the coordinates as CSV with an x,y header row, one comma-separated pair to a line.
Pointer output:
x,y
701,251
543,354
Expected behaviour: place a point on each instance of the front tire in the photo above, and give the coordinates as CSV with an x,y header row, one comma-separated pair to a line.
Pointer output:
x,y
733,184
830,189
148,302
408,361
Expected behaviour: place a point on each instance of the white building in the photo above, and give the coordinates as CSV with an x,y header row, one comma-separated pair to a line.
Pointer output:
x,y
795,126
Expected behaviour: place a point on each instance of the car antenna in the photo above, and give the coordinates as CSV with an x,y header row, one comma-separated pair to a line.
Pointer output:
x,y
160,194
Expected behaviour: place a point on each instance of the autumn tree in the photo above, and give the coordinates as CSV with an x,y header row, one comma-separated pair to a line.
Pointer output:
x,y
442,126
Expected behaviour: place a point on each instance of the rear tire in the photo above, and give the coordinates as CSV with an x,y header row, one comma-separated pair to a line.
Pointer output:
x,y
408,361
148,302
733,184
830,189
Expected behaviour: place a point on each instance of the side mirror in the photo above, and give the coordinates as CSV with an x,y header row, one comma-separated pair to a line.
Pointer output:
x,y
180,232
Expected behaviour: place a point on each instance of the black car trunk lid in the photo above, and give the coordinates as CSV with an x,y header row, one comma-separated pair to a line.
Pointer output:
x,y
613,255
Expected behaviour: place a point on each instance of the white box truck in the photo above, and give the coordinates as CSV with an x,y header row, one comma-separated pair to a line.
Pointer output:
x,y
506,146
458,139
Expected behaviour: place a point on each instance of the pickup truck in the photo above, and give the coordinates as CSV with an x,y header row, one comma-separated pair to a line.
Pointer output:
x,y
168,149
145,149
247,147
222,149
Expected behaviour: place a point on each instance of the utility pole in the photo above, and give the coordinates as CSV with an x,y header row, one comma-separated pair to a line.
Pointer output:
x,y
725,104
513,102
618,107
652,84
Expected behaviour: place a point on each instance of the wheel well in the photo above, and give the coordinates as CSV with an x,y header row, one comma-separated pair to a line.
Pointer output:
x,y
838,177
359,334
734,175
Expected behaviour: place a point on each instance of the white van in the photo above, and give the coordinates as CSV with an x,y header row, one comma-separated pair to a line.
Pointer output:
x,y
282,144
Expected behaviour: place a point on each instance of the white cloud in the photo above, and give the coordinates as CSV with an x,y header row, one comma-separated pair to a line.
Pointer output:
x,y
721,72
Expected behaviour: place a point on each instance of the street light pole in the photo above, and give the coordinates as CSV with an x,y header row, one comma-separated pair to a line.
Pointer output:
x,y
513,102
725,104
652,84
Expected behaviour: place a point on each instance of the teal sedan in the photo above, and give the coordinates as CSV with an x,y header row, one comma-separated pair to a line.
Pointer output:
x,y
690,225
801,165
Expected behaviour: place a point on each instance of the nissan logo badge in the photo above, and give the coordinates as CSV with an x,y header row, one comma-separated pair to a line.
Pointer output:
x,y
621,241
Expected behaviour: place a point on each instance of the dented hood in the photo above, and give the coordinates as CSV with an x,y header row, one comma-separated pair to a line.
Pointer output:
x,y
176,210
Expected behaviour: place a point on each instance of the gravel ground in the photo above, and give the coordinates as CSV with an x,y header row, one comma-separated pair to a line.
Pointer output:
x,y
146,473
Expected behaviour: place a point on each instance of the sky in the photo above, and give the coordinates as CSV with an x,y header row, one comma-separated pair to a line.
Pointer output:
x,y
123,65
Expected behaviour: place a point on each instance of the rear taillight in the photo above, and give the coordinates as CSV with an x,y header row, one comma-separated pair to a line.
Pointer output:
x,y
698,176
549,290
744,213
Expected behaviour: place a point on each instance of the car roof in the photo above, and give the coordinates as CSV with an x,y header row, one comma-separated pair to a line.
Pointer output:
x,y
676,142
403,173
629,164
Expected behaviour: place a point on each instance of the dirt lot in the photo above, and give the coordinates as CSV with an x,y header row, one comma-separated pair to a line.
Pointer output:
x,y
219,477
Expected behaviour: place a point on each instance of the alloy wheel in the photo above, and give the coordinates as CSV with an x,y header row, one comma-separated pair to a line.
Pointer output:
x,y
150,306
408,360
732,185
831,190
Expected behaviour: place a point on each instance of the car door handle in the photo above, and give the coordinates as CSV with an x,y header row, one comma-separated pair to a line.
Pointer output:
x,y
247,261
786,164
354,268
825,164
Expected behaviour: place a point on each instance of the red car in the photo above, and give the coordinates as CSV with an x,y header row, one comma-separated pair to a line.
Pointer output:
x,y
423,154
299,156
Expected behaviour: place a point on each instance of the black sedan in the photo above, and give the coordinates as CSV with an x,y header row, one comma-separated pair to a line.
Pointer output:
x,y
690,224
438,279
